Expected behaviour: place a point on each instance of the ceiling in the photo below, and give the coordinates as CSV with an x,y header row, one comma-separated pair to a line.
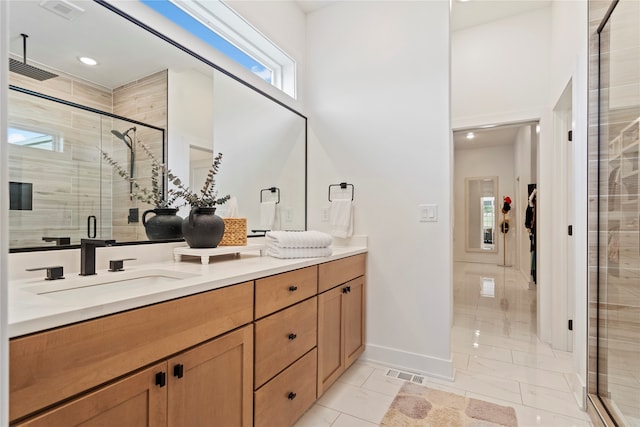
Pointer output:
x,y
464,14
124,52
501,135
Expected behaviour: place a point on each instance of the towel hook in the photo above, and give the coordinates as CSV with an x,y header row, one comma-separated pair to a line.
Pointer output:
x,y
271,190
343,186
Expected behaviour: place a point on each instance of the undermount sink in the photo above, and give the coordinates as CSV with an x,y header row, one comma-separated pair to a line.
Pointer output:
x,y
108,282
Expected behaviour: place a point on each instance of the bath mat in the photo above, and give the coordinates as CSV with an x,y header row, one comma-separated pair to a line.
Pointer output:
x,y
418,406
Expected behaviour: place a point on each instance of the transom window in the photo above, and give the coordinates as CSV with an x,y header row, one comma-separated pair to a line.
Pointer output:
x,y
27,138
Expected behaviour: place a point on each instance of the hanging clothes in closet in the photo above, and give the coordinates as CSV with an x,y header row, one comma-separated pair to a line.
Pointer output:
x,y
530,224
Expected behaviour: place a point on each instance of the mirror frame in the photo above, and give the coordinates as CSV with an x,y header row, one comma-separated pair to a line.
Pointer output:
x,y
467,180
199,57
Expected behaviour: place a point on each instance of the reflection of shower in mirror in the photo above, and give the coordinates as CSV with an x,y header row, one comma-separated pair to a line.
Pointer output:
x,y
132,151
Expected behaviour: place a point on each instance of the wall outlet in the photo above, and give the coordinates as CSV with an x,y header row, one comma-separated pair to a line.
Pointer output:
x,y
324,214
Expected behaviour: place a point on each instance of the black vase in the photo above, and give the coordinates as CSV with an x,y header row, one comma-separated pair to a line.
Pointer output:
x,y
164,225
203,228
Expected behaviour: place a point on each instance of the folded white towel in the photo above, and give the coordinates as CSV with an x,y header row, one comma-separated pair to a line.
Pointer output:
x,y
278,252
298,239
341,218
267,215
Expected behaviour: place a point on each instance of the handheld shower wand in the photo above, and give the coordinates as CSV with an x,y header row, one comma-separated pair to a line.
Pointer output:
x,y
130,142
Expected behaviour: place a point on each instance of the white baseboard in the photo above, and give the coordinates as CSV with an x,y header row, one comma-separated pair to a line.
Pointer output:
x,y
578,389
410,362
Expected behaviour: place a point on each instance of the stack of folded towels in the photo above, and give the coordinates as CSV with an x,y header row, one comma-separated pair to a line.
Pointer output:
x,y
298,244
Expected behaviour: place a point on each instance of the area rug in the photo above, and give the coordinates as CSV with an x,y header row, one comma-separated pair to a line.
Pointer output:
x,y
418,406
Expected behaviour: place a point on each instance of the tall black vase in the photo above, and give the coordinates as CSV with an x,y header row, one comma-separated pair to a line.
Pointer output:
x,y
164,225
203,228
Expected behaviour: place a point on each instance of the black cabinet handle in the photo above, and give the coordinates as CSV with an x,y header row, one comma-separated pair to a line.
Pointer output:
x,y
345,290
293,288
291,396
178,370
161,379
292,336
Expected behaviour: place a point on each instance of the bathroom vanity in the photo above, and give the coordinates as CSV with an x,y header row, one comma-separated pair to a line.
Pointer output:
x,y
248,341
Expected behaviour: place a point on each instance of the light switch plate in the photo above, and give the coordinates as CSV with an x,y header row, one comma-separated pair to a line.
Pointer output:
x,y
324,214
428,213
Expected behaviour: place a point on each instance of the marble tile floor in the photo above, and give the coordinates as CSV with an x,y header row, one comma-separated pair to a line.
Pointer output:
x,y
496,354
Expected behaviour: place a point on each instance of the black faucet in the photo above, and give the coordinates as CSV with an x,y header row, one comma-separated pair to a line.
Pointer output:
x,y
88,254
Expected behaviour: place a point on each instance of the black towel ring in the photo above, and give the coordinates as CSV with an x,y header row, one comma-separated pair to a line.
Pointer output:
x,y
271,190
343,186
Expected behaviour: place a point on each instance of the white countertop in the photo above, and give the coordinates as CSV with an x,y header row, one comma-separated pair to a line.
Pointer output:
x,y
30,311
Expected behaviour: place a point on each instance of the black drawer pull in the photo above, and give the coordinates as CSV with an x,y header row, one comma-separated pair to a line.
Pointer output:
x,y
345,290
291,396
292,336
178,370
161,379
293,288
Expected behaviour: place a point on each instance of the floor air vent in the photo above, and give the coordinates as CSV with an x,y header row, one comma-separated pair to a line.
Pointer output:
x,y
406,376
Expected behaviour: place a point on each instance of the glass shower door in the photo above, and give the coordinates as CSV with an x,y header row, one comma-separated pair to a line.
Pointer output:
x,y
618,284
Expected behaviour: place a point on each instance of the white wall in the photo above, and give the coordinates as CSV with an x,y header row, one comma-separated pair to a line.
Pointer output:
x,y
490,161
569,62
499,71
379,119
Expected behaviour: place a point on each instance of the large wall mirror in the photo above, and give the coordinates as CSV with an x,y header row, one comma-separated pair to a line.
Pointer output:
x,y
481,213
145,90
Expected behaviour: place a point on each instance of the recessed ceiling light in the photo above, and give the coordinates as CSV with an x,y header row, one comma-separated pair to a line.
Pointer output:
x,y
470,135
87,61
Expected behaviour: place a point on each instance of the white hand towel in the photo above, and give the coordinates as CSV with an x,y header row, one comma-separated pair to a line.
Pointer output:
x,y
341,218
267,215
298,239
277,252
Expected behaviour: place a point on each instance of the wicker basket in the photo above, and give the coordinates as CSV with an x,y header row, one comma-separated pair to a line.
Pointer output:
x,y
235,232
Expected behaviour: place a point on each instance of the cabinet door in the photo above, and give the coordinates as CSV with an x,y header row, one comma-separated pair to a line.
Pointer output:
x,y
135,401
212,384
353,317
330,338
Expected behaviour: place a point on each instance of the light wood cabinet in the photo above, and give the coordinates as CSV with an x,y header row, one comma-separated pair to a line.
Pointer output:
x,y
252,354
341,318
54,365
209,382
133,401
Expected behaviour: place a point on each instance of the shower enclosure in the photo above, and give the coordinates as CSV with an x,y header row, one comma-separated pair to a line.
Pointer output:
x,y
614,213
61,188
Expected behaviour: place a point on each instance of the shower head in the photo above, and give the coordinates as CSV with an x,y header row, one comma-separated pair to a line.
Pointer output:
x,y
26,69
124,136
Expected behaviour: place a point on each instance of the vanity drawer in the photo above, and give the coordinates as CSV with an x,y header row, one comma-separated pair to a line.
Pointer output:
x,y
334,273
283,337
285,398
282,290
50,366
